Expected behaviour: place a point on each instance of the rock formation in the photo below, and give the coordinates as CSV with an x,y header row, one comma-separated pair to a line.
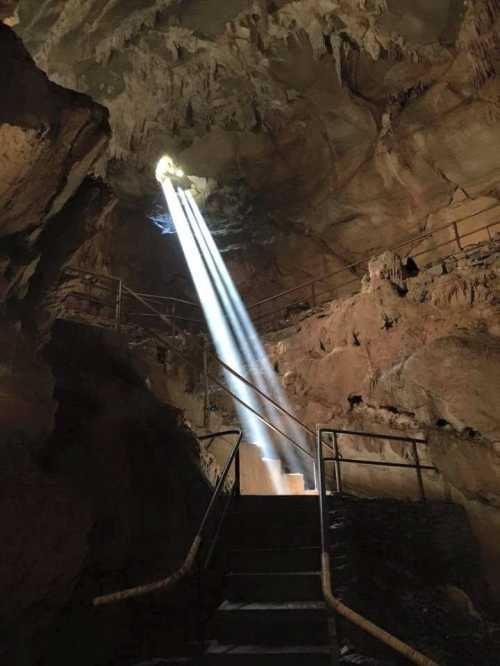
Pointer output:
x,y
333,124
85,449
411,355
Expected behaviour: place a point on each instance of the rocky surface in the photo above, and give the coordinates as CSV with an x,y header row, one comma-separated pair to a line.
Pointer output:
x,y
421,355
95,473
51,138
325,129
314,132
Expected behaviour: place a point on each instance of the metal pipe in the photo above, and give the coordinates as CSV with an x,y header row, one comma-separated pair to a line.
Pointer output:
x,y
420,479
118,306
374,435
216,381
187,565
376,463
358,263
363,623
326,582
457,236
338,471
205,384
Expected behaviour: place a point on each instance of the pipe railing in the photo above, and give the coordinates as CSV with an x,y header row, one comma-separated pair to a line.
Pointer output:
x,y
333,602
226,389
201,535
206,353
313,293
338,459
310,288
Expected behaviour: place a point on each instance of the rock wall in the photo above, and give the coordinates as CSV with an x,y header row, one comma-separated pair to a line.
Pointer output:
x,y
101,485
410,354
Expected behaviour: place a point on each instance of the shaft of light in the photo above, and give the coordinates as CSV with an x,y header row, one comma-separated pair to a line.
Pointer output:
x,y
210,299
234,332
252,348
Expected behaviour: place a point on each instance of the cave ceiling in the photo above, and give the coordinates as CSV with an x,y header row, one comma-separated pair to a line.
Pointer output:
x,y
345,119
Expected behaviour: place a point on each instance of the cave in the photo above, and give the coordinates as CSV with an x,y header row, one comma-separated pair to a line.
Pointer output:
x,y
249,332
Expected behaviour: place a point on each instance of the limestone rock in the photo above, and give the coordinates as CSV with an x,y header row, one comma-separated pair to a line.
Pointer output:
x,y
345,126
50,139
418,359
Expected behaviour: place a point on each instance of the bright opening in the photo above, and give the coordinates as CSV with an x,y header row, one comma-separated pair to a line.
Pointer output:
x,y
235,339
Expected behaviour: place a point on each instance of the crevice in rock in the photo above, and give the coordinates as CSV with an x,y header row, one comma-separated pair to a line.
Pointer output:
x,y
355,401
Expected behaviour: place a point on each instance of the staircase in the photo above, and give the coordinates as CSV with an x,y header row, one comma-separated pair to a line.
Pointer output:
x,y
272,610
265,476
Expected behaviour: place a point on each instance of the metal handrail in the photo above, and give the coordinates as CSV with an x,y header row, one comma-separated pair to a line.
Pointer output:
x,y
222,386
338,458
326,577
458,237
360,262
187,566
69,270
330,291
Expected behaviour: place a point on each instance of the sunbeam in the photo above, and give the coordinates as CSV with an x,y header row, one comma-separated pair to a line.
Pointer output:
x,y
233,334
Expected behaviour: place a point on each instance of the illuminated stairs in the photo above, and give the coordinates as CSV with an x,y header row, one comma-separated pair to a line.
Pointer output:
x,y
265,476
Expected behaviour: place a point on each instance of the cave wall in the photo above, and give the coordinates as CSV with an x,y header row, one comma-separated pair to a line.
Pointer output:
x,y
410,354
100,482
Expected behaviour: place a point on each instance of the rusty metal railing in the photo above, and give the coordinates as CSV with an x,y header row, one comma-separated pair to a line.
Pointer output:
x,y
333,602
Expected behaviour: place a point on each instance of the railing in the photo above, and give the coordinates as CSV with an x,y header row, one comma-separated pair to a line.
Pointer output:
x,y
333,602
338,459
103,300
110,306
275,310
201,535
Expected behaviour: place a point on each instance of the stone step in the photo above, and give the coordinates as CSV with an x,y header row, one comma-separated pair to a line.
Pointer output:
x,y
277,505
259,655
284,559
269,535
267,623
278,587
294,484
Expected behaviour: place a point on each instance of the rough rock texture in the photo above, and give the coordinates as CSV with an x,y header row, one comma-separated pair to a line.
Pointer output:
x,y
93,509
50,140
338,126
418,355
95,474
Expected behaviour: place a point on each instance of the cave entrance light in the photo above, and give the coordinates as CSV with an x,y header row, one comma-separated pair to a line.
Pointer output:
x,y
233,334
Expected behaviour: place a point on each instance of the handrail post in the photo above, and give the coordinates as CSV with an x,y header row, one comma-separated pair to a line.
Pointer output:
x,y
420,478
320,472
457,236
325,557
118,305
338,475
237,474
174,326
205,383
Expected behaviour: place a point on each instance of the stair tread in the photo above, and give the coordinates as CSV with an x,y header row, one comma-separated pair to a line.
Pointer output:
x,y
219,648
273,573
232,606
275,548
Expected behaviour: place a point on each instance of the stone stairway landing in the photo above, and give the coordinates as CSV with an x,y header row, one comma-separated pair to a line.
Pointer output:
x,y
265,476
